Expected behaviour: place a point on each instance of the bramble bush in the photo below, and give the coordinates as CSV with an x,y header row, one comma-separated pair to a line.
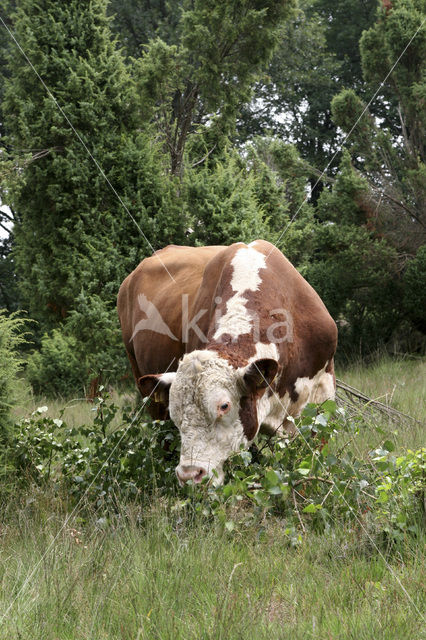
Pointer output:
x,y
309,481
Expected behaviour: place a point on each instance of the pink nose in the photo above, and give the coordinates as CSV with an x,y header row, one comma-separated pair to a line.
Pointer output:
x,y
185,473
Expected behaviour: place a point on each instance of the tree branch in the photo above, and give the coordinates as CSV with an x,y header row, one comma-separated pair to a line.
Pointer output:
x,y
407,209
6,215
320,174
311,479
204,157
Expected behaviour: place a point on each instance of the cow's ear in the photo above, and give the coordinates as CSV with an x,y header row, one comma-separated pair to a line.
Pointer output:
x,y
156,386
248,416
260,374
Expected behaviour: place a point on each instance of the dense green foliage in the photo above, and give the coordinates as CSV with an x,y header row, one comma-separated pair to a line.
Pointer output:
x,y
209,122
415,297
391,154
312,478
11,339
354,271
71,223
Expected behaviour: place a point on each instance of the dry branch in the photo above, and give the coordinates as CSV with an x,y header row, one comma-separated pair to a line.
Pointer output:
x,y
354,399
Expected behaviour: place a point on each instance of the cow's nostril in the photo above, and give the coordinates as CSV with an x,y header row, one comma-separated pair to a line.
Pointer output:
x,y
185,473
200,475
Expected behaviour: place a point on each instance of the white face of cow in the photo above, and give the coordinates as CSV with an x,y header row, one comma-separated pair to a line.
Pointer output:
x,y
204,403
214,407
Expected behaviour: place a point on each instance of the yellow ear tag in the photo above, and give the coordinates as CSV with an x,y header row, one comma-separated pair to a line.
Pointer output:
x,y
157,397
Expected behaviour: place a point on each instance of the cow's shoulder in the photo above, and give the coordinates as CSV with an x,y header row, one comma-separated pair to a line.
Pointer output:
x,y
170,266
165,281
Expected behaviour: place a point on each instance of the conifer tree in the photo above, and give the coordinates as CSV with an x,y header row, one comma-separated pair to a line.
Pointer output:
x,y
200,74
74,235
390,153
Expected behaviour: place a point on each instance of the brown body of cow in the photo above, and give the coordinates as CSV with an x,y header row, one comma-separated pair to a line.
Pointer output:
x,y
245,316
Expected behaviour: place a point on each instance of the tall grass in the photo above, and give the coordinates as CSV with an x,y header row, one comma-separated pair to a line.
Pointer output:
x,y
399,383
75,410
158,572
161,576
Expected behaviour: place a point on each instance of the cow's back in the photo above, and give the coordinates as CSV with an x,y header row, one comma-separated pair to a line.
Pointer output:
x,y
162,280
310,333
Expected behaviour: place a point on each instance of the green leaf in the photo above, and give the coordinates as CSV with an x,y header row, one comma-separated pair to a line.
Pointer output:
x,y
321,419
226,490
383,497
388,445
310,411
312,508
275,491
271,478
329,405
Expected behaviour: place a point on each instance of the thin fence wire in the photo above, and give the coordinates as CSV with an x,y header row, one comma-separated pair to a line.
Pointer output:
x,y
281,235
390,569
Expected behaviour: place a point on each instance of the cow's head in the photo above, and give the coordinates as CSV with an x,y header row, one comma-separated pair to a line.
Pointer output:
x,y
214,407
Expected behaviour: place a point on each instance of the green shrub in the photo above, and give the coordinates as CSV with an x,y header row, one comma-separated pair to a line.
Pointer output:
x,y
95,462
415,289
11,337
94,324
354,274
87,345
309,482
57,368
222,201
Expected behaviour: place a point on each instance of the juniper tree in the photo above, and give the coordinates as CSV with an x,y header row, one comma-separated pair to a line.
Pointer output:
x,y
390,152
74,238
201,76
73,233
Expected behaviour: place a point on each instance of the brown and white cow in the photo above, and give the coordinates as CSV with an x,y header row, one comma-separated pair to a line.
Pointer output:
x,y
228,340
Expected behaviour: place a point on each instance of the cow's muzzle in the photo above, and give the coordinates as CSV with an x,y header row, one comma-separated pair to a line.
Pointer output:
x,y
190,472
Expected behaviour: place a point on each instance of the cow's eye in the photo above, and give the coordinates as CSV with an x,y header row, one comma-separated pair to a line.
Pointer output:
x,y
223,408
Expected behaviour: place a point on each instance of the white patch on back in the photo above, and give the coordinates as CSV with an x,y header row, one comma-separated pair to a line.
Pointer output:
x,y
265,350
237,320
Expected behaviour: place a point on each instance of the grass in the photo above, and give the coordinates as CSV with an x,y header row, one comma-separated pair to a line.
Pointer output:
x,y
159,576
401,383
153,573
76,410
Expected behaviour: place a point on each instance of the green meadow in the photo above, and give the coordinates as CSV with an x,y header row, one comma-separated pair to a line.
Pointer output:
x,y
154,570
